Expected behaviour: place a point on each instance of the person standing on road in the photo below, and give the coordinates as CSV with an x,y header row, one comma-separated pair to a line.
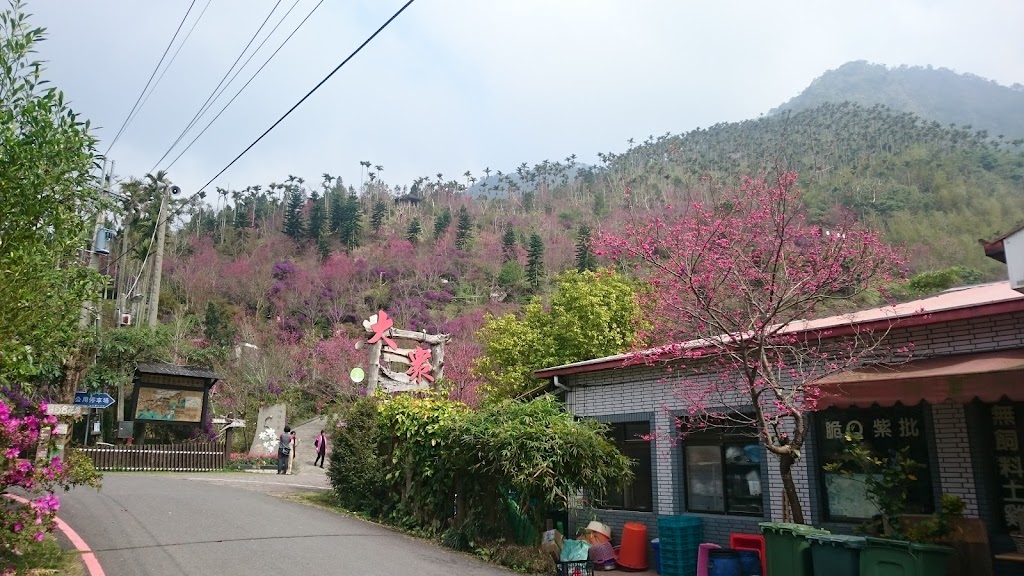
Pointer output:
x,y
293,463
321,448
284,450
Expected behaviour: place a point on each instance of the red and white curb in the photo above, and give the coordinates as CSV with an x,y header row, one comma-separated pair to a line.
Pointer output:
x,y
88,558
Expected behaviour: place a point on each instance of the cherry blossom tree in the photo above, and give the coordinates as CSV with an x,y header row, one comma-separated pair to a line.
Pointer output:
x,y
733,283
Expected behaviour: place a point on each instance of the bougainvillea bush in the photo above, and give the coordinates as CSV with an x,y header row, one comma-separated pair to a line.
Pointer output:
x,y
21,525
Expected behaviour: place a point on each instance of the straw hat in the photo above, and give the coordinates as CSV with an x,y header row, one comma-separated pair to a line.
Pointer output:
x,y
596,526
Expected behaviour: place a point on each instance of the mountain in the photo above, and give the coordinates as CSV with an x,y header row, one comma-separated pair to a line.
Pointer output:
x,y
936,94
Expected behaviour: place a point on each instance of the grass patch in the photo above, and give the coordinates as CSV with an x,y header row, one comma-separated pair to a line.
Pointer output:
x,y
524,559
46,558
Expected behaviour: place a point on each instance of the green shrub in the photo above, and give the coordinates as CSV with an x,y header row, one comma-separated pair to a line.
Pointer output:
x,y
431,465
355,469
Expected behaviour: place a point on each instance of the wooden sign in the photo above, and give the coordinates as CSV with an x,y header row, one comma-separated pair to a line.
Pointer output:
x,y
398,369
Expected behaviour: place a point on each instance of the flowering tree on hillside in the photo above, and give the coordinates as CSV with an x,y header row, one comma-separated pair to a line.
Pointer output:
x,y
732,284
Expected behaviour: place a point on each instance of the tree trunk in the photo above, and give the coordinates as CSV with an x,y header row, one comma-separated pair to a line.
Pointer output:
x,y
789,487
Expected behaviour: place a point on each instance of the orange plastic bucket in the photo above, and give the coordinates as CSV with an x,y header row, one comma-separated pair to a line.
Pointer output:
x,y
633,551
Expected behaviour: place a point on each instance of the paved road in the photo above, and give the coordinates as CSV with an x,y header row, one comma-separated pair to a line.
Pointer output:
x,y
228,524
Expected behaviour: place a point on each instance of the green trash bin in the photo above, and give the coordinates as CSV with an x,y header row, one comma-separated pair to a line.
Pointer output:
x,y
883,557
787,548
836,554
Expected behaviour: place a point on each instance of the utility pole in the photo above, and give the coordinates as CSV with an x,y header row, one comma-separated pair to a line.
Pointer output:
x,y
91,309
165,189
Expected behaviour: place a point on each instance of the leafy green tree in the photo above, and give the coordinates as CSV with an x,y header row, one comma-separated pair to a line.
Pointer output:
x,y
512,278
294,226
317,217
508,245
464,229
600,206
378,215
412,233
535,260
48,202
591,314
441,223
585,258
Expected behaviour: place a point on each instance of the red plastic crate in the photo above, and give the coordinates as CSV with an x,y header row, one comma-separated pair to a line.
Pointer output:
x,y
750,542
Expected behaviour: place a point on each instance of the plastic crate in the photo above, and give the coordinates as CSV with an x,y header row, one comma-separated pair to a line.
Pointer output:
x,y
575,568
680,538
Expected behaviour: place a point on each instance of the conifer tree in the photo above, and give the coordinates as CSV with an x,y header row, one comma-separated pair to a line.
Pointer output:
x,y
464,230
337,211
317,217
351,222
379,213
412,234
585,259
535,261
323,247
508,245
441,223
293,224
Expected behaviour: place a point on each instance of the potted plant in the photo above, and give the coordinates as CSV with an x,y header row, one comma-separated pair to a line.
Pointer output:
x,y
895,545
1016,518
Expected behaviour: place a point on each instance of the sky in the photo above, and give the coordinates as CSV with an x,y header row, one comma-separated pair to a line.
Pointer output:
x,y
456,85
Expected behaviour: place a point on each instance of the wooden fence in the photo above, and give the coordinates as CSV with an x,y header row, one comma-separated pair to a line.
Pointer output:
x,y
196,457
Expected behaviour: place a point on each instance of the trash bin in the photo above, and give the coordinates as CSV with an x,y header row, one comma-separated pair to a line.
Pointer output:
x,y
836,554
787,548
656,546
882,556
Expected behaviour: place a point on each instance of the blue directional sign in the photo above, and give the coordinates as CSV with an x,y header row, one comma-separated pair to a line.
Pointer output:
x,y
94,399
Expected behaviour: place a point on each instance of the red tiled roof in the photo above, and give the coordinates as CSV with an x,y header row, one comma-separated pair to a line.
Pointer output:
x,y
954,304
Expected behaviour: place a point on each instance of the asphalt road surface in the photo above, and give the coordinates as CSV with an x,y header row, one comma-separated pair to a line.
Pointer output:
x,y
232,524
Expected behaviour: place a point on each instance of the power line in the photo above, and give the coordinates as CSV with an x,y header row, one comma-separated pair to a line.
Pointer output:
x,y
308,94
279,120
242,89
141,94
176,52
203,108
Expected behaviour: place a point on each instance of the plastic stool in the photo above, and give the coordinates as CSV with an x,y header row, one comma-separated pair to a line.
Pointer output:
x,y
633,550
750,542
702,557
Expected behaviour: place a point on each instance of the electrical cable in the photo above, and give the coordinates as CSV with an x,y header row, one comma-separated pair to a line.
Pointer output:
x,y
279,120
306,97
141,94
203,108
175,55
242,89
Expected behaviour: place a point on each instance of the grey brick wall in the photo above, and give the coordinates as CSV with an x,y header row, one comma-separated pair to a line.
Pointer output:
x,y
650,390
956,475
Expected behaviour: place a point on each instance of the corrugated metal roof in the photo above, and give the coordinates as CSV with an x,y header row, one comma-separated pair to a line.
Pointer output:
x,y
175,370
930,310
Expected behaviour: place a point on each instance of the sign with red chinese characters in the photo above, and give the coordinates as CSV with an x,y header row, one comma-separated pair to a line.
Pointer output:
x,y
398,369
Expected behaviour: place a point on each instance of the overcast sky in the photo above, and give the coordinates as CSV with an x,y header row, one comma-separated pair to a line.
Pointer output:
x,y
456,85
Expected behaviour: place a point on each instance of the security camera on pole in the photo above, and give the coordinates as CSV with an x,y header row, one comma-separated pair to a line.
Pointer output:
x,y
165,189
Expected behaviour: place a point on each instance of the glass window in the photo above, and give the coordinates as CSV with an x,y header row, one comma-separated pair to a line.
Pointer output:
x,y
723,475
884,431
631,440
